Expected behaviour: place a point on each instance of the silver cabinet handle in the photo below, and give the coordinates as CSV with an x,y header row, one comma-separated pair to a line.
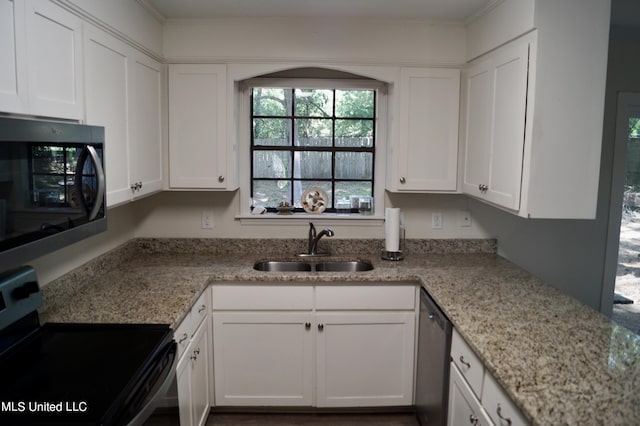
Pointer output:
x,y
184,337
473,419
403,180
320,327
220,178
201,309
502,419
465,363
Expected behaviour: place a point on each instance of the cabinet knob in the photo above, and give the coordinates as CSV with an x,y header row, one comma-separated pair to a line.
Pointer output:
x,y
473,419
465,363
320,327
220,178
507,420
402,179
307,325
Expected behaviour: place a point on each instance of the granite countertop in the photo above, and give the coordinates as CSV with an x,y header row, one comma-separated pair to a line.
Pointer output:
x,y
559,360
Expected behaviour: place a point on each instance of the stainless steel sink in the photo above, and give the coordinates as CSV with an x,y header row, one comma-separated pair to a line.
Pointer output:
x,y
344,266
306,266
282,266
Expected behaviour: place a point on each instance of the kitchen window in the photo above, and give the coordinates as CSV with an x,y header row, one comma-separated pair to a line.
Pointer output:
x,y
306,135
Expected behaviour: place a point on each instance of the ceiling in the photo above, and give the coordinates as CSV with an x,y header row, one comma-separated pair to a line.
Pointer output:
x,y
441,10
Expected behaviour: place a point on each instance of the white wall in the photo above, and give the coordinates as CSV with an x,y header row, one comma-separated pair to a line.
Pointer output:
x,y
178,214
356,41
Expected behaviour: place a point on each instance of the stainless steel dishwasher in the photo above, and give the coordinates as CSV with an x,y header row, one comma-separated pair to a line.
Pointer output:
x,y
432,380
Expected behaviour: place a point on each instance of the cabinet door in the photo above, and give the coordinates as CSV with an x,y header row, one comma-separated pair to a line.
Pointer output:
x,y
464,408
107,70
365,359
200,374
146,125
494,134
13,82
427,148
54,49
197,123
477,116
183,381
263,359
509,111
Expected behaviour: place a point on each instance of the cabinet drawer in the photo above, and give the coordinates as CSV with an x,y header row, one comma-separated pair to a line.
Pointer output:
x,y
467,362
499,405
261,297
366,297
183,333
200,309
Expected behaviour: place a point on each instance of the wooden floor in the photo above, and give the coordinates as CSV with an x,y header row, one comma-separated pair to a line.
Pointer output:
x,y
295,419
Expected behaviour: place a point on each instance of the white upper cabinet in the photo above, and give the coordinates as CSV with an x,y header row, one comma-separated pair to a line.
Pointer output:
x,y
108,67
424,157
13,81
533,107
146,125
123,94
54,61
495,110
197,127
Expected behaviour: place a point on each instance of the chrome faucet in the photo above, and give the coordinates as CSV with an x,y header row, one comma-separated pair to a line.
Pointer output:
x,y
315,238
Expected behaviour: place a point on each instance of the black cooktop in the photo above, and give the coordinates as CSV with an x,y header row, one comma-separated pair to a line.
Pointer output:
x,y
76,373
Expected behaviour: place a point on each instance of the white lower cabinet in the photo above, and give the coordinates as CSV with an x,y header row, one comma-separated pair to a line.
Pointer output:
x,y
289,346
263,358
365,359
474,395
193,372
464,407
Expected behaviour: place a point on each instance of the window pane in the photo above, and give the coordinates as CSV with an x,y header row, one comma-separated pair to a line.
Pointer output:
x,y
271,164
347,190
270,193
354,165
271,101
312,165
354,133
272,131
313,132
301,186
314,103
354,103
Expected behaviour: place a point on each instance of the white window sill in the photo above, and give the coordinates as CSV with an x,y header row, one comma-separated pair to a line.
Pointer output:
x,y
304,218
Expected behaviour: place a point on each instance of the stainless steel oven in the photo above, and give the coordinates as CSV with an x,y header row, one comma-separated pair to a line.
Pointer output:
x,y
52,187
76,374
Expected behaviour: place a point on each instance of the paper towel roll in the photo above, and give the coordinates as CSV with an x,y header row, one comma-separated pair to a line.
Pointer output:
x,y
392,229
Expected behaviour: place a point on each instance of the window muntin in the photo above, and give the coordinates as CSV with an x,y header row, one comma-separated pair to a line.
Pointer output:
x,y
305,137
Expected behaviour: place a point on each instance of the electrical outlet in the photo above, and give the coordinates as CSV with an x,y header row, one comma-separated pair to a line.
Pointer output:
x,y
465,218
207,219
436,220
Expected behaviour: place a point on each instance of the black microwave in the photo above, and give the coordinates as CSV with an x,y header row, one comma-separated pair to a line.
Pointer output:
x,y
52,187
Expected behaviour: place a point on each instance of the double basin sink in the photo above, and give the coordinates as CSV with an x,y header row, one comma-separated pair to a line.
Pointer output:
x,y
313,266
